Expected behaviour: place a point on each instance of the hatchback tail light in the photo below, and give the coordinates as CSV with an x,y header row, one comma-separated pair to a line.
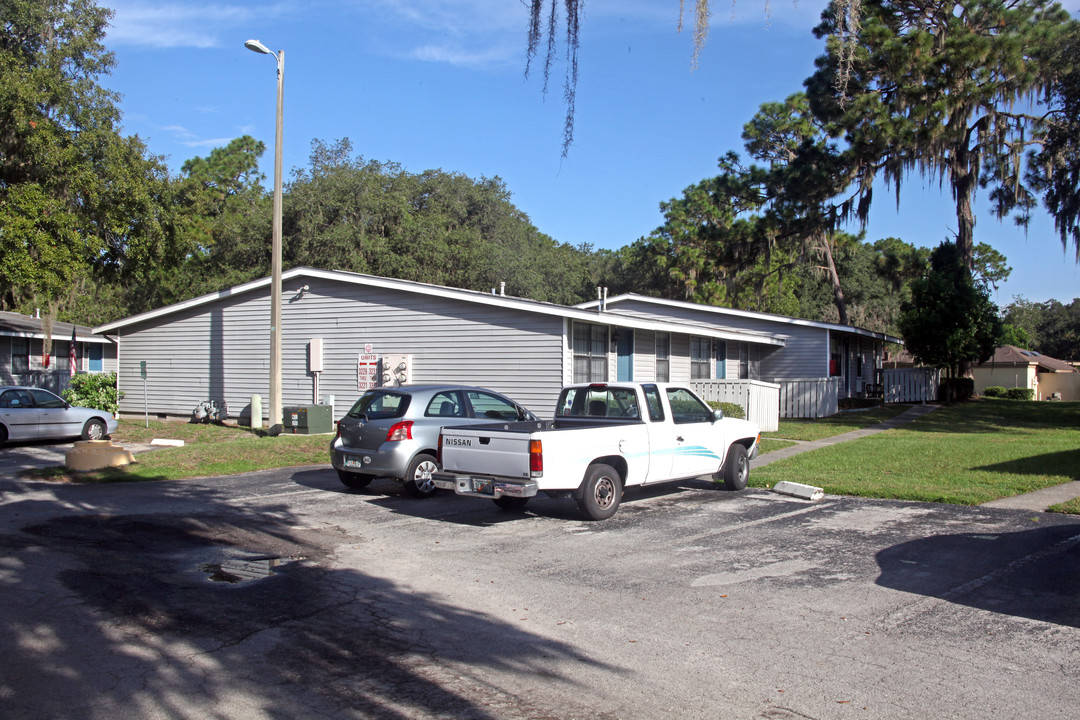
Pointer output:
x,y
400,431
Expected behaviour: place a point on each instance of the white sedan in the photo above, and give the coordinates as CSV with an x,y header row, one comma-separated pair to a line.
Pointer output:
x,y
28,413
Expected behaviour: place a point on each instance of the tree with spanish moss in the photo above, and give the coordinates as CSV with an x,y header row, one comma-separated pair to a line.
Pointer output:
x,y
945,88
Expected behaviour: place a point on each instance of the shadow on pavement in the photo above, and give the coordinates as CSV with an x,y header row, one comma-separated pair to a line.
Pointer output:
x,y
1033,574
110,614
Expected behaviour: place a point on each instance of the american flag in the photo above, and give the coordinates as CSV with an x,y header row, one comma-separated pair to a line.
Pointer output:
x,y
71,352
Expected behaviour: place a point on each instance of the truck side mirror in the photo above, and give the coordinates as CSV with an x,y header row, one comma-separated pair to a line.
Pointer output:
x,y
718,414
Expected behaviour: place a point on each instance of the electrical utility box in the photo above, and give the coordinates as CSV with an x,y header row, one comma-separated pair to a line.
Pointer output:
x,y
308,419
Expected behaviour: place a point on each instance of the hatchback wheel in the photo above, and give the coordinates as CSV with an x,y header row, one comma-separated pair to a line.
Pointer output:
x,y
418,480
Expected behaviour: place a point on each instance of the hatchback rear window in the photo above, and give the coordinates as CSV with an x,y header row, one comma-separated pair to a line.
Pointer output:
x,y
380,405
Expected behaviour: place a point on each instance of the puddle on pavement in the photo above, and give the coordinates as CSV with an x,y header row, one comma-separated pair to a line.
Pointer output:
x,y
237,570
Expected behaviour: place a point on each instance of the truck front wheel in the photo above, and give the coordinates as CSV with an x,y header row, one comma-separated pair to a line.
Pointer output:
x,y
601,492
736,468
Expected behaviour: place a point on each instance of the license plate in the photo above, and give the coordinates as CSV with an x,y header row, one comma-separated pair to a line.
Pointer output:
x,y
353,462
484,487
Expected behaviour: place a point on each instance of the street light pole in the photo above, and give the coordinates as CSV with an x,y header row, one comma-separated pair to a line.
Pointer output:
x,y
275,261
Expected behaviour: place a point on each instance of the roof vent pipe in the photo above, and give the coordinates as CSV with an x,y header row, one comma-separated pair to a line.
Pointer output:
x,y
603,304
502,289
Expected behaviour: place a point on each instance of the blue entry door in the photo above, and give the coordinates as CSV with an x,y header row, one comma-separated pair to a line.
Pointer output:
x,y
624,347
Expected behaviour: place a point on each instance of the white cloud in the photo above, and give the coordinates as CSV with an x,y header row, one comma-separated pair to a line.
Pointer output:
x,y
175,25
210,143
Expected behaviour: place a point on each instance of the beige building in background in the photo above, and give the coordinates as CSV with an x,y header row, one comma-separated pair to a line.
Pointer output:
x,y
1012,367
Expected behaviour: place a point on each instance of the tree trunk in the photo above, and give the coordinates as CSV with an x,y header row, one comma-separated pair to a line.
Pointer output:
x,y
834,278
963,186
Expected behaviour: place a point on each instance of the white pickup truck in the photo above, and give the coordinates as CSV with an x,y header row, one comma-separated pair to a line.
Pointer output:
x,y
604,436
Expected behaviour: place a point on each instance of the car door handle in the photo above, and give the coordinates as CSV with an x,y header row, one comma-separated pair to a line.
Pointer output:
x,y
679,439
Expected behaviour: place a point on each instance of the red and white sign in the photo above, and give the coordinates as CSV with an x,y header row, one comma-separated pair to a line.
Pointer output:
x,y
367,370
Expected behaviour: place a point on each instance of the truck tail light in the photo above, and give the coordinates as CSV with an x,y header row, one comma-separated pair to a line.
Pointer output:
x,y
400,431
536,458
438,449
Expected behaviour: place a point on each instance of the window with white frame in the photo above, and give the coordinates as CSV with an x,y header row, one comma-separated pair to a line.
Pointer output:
x,y
700,358
663,357
744,361
60,358
20,355
590,353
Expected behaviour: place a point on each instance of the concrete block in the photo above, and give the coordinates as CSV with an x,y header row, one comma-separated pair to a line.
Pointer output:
x,y
96,454
806,492
163,442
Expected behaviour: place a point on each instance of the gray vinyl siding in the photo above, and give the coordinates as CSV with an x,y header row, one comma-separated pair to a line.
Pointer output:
x,y
645,356
220,350
680,358
805,354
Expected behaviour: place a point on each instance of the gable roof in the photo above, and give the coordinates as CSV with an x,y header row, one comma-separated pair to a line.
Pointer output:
x,y
441,291
1012,356
16,325
715,309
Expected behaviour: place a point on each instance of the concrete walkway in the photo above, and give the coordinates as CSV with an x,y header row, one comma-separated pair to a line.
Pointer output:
x,y
1037,501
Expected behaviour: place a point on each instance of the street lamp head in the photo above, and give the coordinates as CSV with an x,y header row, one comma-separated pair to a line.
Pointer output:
x,y
256,46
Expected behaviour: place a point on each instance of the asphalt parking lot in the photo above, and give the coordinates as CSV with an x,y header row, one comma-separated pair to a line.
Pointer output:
x,y
282,594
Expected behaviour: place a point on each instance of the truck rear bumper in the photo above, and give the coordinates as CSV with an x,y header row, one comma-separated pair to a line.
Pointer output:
x,y
484,486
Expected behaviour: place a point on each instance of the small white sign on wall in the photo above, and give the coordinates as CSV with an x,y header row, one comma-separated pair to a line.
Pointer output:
x,y
367,370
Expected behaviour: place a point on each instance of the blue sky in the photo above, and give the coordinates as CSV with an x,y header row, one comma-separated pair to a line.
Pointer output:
x,y
439,84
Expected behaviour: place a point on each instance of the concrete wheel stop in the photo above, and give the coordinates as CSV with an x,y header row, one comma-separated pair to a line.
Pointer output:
x,y
806,492
96,454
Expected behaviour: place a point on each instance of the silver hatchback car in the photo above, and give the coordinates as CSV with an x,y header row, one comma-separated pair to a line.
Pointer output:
x,y
394,432
29,413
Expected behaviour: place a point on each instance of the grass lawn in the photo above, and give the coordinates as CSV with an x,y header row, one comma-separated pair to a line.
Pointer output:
x,y
1072,507
836,425
208,450
966,454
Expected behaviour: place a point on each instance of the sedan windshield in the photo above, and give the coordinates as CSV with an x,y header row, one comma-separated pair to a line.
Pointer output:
x,y
380,404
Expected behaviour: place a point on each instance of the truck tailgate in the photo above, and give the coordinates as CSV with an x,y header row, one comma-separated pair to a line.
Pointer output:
x,y
486,452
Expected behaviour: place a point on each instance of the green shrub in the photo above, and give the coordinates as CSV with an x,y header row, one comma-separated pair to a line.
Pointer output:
x,y
994,391
1019,394
731,410
93,390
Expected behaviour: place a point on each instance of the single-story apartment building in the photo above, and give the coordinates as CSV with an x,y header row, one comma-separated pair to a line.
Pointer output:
x,y
1013,367
26,359
811,350
343,332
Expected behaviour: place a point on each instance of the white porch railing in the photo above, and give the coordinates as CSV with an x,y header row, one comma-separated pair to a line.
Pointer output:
x,y
809,397
759,400
903,385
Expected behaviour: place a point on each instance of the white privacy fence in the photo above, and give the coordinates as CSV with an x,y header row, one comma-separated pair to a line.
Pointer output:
x,y
809,397
766,402
759,400
903,385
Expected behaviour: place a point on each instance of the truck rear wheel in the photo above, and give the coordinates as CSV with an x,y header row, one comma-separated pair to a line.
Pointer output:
x,y
736,468
601,492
